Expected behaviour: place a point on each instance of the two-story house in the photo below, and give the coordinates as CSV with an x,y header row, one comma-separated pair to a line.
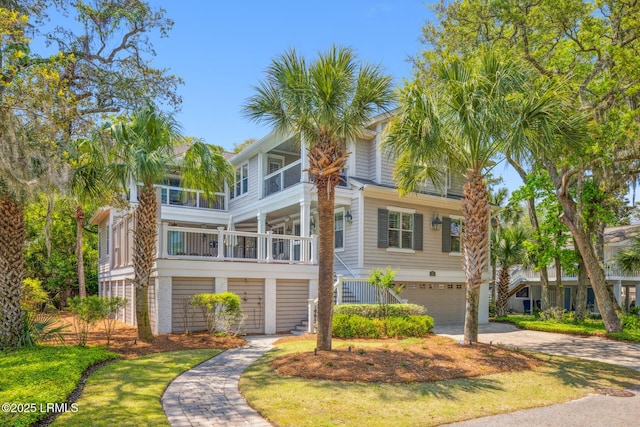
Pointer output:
x,y
259,238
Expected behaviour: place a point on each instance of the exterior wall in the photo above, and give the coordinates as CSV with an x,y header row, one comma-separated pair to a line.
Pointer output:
x,y
431,258
388,164
363,160
252,300
153,311
291,303
182,290
349,255
248,199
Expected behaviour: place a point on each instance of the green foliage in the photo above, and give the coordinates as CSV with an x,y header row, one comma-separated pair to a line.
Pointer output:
x,y
43,375
374,311
383,282
33,296
87,311
631,322
355,326
221,311
58,273
40,327
554,313
109,307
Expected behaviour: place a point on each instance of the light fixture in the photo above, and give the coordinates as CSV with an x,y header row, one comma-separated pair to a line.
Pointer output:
x,y
349,217
436,222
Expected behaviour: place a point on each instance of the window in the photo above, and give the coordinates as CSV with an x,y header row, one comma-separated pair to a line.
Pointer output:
x,y
241,185
400,228
107,239
451,234
338,229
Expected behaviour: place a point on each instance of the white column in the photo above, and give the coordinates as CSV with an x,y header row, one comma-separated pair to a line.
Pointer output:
x,y
304,161
270,306
313,289
133,191
637,294
305,217
617,291
221,284
483,306
164,286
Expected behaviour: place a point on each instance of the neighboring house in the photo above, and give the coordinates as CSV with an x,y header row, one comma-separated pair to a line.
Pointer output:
x,y
525,288
258,240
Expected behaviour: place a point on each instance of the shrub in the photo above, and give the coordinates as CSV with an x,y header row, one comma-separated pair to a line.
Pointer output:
x,y
108,309
553,313
39,327
355,326
86,311
408,326
33,296
373,311
631,322
220,311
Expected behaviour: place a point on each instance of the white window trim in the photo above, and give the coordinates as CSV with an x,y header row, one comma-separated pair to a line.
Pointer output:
x,y
335,211
402,211
233,188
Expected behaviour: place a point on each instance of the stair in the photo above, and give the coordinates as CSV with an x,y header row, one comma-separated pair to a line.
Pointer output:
x,y
301,328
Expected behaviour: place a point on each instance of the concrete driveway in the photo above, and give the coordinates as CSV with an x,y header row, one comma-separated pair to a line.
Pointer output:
x,y
592,348
593,410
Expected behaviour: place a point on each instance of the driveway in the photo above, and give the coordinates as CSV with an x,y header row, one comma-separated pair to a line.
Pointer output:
x,y
593,410
592,348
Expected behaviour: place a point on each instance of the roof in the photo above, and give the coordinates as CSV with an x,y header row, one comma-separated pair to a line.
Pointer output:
x,y
620,233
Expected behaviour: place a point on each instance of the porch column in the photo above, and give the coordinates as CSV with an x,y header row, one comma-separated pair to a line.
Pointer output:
x,y
164,287
270,306
305,217
637,294
262,228
304,162
220,285
617,291
483,306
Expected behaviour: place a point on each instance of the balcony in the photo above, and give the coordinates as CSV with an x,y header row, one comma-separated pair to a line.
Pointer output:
x,y
224,245
286,177
185,197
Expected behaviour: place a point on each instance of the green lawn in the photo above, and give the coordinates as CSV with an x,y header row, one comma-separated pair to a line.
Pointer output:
x,y
128,392
42,375
289,401
588,327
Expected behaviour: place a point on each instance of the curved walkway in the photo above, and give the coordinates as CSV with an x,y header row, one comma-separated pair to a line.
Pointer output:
x,y
208,395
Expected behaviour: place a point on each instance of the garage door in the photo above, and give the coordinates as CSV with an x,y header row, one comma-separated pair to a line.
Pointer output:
x,y
445,302
291,303
182,289
251,294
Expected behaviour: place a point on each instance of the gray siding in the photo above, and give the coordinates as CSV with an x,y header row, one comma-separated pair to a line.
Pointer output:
x,y
388,164
363,158
246,200
251,294
445,302
430,258
182,289
350,253
291,303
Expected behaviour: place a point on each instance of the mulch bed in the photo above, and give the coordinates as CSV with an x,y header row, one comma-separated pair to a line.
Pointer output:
x,y
435,358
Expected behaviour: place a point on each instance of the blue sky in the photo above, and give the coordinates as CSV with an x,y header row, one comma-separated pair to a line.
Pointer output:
x,y
221,49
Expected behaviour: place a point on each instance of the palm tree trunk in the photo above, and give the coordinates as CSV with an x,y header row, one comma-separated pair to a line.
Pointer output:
x,y
475,247
144,253
82,289
325,263
12,236
503,293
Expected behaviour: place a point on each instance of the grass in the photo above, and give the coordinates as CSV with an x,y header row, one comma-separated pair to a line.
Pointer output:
x,y
292,401
587,327
42,375
128,392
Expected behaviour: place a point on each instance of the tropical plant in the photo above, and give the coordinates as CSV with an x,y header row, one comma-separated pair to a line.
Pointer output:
x,y
383,282
143,151
41,327
326,103
629,259
510,250
455,121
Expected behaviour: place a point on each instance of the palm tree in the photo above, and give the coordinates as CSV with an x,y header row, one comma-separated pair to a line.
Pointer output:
x,y
456,121
629,259
509,251
143,152
327,103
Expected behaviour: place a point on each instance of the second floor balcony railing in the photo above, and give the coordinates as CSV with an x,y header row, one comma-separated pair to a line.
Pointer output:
x,y
283,178
226,245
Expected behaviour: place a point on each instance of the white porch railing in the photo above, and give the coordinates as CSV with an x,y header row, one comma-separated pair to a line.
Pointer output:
x,y
225,245
283,178
612,272
353,291
186,197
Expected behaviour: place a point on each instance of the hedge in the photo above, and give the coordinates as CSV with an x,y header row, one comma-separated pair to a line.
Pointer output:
x,y
376,311
355,326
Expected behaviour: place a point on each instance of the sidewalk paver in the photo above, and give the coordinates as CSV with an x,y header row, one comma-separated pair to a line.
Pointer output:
x,y
208,394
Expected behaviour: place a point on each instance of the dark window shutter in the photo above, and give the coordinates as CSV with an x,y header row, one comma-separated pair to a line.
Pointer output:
x,y
446,234
383,228
417,232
